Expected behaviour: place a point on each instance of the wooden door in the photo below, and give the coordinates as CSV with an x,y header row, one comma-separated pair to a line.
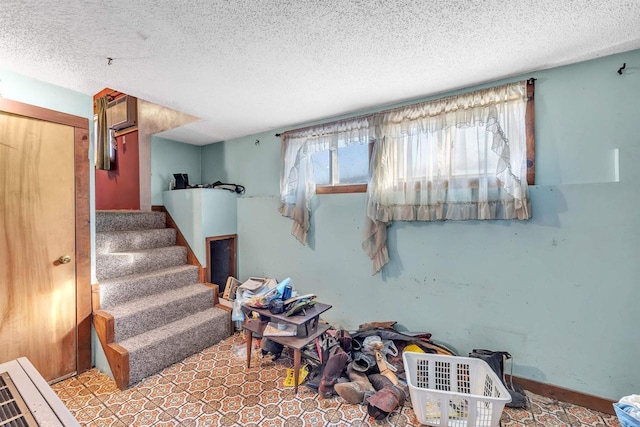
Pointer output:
x,y
37,244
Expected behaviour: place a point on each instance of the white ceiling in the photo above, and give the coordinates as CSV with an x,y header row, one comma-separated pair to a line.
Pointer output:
x,y
249,66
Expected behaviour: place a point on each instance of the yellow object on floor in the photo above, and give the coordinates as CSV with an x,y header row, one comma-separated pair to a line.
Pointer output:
x,y
414,348
289,382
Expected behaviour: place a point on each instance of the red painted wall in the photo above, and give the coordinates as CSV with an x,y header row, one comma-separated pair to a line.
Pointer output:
x,y
119,188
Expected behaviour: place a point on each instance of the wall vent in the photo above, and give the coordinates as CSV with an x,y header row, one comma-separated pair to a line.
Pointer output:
x,y
13,409
122,113
26,400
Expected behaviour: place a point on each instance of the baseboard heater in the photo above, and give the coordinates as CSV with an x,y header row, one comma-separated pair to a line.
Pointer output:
x,y
26,399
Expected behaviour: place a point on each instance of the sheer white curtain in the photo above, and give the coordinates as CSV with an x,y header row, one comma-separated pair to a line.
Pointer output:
x,y
456,158
297,184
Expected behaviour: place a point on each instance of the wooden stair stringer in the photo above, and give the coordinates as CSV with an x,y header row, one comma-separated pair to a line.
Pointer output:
x,y
117,356
182,241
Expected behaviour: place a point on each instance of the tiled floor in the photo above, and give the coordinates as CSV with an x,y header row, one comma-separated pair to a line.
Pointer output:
x,y
214,388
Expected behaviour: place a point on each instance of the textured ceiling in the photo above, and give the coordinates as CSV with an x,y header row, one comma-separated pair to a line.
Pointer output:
x,y
248,66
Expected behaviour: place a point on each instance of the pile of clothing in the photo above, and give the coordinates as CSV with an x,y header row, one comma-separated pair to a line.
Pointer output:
x,y
366,367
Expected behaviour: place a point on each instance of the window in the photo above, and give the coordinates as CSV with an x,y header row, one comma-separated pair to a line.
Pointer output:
x,y
344,169
463,157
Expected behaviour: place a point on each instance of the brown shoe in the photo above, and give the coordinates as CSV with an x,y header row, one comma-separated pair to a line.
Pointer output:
x,y
355,391
332,371
384,402
379,381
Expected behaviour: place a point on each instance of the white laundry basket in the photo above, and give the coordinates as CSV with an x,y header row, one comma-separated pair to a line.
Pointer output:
x,y
454,391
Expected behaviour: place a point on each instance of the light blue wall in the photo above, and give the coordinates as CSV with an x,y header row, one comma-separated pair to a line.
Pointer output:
x,y
243,162
169,157
212,162
200,213
560,291
24,89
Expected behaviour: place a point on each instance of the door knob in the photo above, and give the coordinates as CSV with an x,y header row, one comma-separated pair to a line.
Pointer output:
x,y
64,259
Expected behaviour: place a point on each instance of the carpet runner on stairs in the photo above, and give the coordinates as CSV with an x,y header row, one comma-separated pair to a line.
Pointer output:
x,y
162,314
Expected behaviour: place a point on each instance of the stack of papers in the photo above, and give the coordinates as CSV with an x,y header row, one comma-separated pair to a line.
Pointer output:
x,y
272,330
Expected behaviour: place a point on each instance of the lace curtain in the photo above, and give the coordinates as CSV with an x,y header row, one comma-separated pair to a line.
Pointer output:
x,y
297,184
456,158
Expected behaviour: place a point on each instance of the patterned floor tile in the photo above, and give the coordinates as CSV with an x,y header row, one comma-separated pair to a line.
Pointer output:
x,y
146,417
157,389
330,403
176,368
214,388
290,408
269,397
120,397
214,394
583,415
352,413
70,388
250,414
172,400
364,423
135,404
80,402
168,423
106,422
197,384
294,422
96,414
232,391
231,404
230,419
236,378
313,418
208,420
184,378
250,388
190,411
271,411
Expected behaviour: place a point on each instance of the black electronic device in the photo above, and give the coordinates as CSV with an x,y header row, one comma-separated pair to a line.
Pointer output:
x,y
182,181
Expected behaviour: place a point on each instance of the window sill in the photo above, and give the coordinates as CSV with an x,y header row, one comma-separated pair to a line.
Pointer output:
x,y
340,189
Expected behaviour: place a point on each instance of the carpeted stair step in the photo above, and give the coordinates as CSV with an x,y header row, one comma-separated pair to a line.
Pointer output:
x,y
129,220
159,348
147,313
120,290
118,241
118,264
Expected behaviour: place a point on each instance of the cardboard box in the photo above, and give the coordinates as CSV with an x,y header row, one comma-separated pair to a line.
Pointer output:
x,y
230,288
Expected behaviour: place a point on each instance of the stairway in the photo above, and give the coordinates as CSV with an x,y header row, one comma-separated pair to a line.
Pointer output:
x,y
153,310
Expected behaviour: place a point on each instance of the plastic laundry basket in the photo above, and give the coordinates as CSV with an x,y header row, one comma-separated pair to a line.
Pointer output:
x,y
454,391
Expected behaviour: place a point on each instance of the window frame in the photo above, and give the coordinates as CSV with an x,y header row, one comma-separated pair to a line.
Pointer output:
x,y
337,188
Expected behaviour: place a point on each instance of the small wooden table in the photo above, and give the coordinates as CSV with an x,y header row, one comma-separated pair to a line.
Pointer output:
x,y
297,343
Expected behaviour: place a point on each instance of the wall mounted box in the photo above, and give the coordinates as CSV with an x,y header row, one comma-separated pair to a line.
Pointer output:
x,y
122,113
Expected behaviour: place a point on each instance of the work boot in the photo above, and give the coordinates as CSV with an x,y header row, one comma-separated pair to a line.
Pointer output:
x,y
344,338
357,390
313,380
384,402
379,381
332,371
363,362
